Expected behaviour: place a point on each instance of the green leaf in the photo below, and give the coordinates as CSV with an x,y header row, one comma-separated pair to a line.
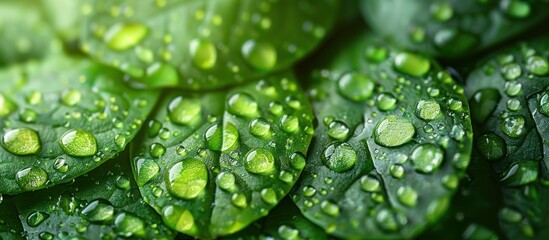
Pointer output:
x,y
508,92
452,28
212,163
103,204
10,227
393,140
284,222
25,35
64,16
195,44
62,118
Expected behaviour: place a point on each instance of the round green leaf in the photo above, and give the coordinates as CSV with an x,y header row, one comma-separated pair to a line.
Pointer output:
x,y
452,28
62,118
508,93
212,163
104,203
386,164
204,44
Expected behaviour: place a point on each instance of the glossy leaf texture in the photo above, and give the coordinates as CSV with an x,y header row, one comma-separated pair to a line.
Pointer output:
x,y
393,140
509,95
10,227
64,17
63,117
452,28
212,163
194,44
284,222
25,35
103,204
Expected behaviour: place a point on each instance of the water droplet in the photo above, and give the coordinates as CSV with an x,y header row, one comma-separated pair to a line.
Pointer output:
x,y
453,41
259,127
370,184
203,53
239,200
214,137
7,106
514,126
268,195
376,54
288,233
338,130
427,157
289,123
36,218
397,171
260,55
157,150
329,208
120,141
442,11
407,196
537,65
259,161
161,75
31,178
71,97
515,8
147,169
491,146
297,161
339,156
178,218
511,71
393,131
226,181
21,141
386,102
127,225
544,103
60,165
242,104
520,173
412,64
187,179
230,137
428,109
78,143
450,181
98,211
183,110
483,103
386,220
122,36
355,86
509,215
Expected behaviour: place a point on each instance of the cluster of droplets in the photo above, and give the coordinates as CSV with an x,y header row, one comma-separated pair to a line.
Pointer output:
x,y
136,39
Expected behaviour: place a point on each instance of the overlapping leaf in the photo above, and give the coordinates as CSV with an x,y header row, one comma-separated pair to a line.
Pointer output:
x,y
392,142
212,163
509,103
452,28
61,118
193,44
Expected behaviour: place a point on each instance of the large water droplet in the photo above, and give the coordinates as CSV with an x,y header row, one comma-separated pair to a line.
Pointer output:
x,y
491,146
355,86
78,143
259,161
36,218
98,211
122,36
428,109
239,200
338,130
157,150
339,156
183,110
214,137
514,126
412,64
161,75
537,65
21,141
370,184
393,131
483,103
230,137
386,220
259,55
178,218
386,101
511,71
226,181
71,97
203,53
187,179
544,103
427,157
7,106
127,225
268,195
31,178
147,169
407,196
329,208
520,173
242,104
260,128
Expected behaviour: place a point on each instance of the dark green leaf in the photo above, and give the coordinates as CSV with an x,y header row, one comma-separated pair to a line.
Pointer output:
x,y
10,226
62,118
452,28
204,44
212,163
25,35
103,204
393,140
509,93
